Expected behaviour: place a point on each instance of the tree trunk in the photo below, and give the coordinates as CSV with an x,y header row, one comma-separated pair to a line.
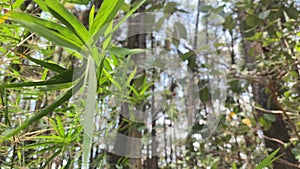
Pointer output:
x,y
278,131
136,39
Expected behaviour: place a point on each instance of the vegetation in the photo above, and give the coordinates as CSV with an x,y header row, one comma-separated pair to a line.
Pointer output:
x,y
149,84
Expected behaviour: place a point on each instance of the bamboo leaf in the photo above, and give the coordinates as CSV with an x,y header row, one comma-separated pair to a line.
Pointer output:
x,y
17,3
51,138
65,77
51,36
134,90
55,86
42,5
68,19
30,21
119,51
91,16
42,113
146,88
116,84
107,41
83,2
60,127
54,125
131,76
51,66
105,15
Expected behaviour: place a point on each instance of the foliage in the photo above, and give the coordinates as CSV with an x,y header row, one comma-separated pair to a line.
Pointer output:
x,y
47,56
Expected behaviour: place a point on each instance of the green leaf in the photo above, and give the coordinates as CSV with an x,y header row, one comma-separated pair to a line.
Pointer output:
x,y
125,7
228,23
51,66
20,16
92,16
297,46
218,9
145,88
187,55
179,31
54,125
197,128
158,24
117,85
107,40
55,86
268,160
263,15
42,5
292,12
251,20
233,165
265,123
205,8
205,95
215,163
65,77
51,31
68,19
134,90
51,138
60,127
270,117
170,8
83,2
119,51
42,113
17,3
105,15
131,76
107,64
235,86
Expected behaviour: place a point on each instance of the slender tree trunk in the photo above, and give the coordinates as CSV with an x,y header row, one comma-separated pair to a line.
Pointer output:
x,y
136,39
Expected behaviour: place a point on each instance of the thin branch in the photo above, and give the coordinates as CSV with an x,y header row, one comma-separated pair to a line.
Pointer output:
x,y
275,140
286,163
270,111
18,45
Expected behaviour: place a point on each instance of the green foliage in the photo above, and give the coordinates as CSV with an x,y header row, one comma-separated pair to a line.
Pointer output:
x,y
41,116
69,33
268,160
